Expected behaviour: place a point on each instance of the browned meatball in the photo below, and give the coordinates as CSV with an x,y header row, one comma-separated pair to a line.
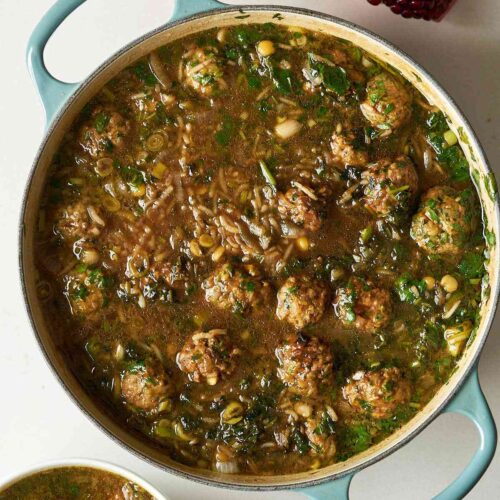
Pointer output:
x,y
377,393
305,365
444,221
144,387
208,356
344,151
237,288
391,186
363,306
74,222
300,208
84,293
202,71
106,131
301,301
387,105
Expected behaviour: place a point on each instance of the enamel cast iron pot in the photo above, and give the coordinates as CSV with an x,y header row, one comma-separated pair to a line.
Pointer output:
x,y
62,102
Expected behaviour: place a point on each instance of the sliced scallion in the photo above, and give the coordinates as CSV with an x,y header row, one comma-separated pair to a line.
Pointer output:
x,y
267,173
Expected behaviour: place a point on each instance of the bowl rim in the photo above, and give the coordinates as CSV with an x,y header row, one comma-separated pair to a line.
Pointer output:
x,y
91,463
478,151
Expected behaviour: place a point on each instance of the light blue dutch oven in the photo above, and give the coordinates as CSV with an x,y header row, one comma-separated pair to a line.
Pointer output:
x,y
62,101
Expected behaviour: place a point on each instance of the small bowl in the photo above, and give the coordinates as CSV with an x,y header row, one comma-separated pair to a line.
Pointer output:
x,y
82,462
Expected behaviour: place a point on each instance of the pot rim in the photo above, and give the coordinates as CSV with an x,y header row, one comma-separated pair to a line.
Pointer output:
x,y
478,150
91,463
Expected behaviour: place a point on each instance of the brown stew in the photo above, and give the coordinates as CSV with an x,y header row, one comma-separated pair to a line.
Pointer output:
x,y
261,248
74,483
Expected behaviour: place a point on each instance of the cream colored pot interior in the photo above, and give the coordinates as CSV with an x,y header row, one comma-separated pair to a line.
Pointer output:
x,y
377,48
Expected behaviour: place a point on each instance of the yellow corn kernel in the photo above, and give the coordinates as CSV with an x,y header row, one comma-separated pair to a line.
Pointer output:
x,y
429,282
449,283
315,464
138,191
165,406
231,412
159,170
266,48
218,253
195,248
450,138
302,243
221,35
206,241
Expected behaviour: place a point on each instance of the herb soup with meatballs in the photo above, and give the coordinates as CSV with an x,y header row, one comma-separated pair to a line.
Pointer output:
x,y
74,483
261,248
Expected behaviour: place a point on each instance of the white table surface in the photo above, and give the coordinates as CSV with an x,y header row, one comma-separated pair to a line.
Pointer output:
x,y
37,420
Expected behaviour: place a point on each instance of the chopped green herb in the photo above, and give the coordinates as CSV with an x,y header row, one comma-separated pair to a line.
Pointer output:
x,y
101,122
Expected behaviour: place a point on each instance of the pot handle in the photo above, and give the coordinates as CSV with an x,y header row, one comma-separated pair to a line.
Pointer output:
x,y
53,93
469,401
334,490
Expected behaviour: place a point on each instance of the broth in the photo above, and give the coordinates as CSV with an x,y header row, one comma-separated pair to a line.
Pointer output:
x,y
65,483
261,248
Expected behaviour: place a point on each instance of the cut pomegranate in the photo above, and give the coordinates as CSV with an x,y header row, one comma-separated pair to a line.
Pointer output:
x,y
430,10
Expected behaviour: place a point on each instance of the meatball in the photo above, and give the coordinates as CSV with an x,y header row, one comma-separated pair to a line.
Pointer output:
x,y
388,104
107,130
305,365
391,186
202,71
74,223
345,152
84,292
444,221
239,289
144,387
301,301
377,393
301,208
208,356
363,306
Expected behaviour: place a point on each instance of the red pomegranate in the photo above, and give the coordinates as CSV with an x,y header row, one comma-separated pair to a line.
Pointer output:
x,y
430,10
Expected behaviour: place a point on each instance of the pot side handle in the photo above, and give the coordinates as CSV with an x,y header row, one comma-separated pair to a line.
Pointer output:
x,y
469,401
186,8
333,490
53,93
